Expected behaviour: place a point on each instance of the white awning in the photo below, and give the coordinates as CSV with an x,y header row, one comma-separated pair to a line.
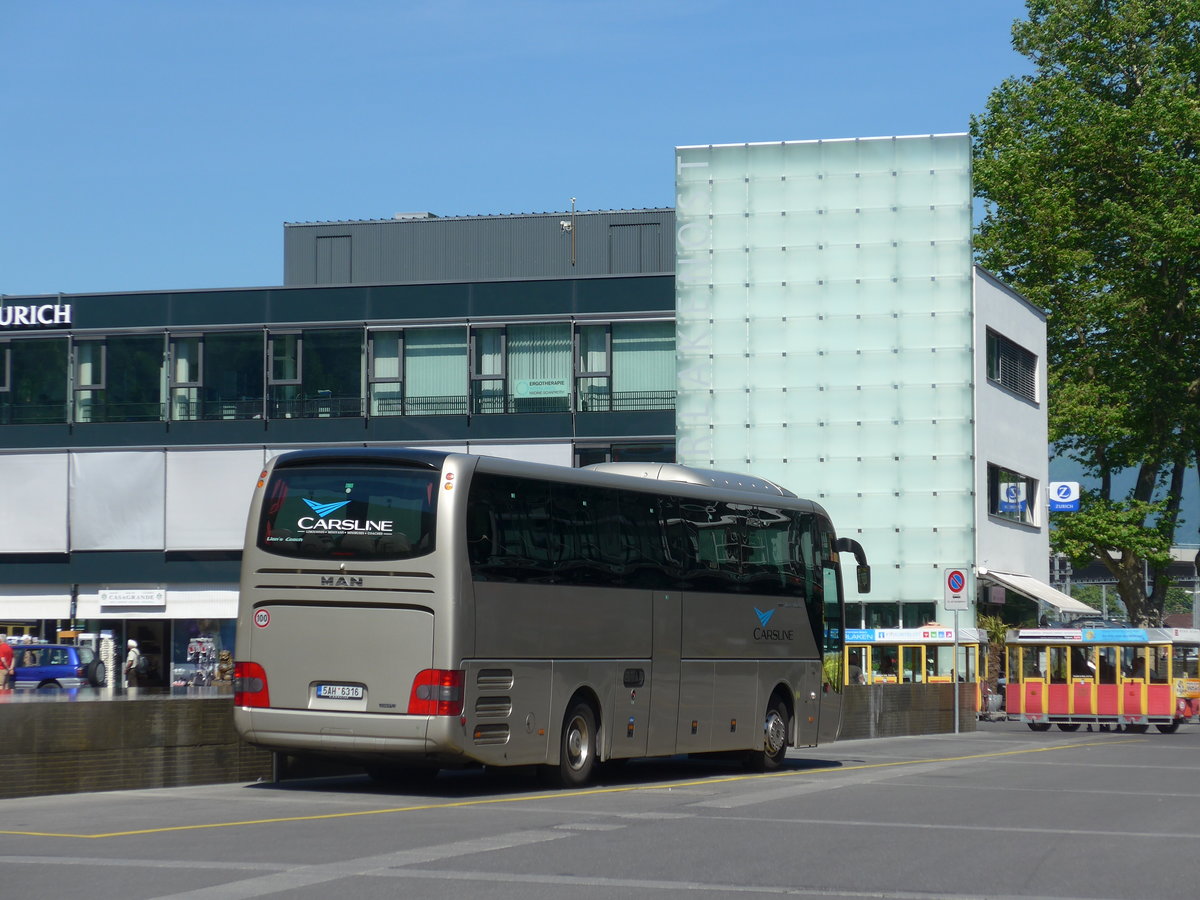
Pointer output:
x,y
19,602
1028,586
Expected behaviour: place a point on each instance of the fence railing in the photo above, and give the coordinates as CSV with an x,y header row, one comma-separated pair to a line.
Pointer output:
x,y
322,407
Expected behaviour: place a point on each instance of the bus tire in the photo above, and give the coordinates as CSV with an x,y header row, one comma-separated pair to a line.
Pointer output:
x,y
1137,728
1169,728
1068,726
775,735
1039,726
577,746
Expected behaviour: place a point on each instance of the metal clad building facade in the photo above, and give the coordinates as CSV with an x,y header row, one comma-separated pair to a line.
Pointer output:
x,y
423,247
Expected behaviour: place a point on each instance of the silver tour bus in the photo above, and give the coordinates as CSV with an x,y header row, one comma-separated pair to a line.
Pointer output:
x,y
411,610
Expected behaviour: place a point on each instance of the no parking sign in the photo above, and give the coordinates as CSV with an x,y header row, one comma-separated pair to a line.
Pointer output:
x,y
956,589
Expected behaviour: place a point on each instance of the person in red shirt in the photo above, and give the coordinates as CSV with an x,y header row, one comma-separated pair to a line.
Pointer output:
x,y
6,663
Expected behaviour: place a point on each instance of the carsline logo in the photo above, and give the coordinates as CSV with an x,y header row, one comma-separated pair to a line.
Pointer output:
x,y
339,526
763,633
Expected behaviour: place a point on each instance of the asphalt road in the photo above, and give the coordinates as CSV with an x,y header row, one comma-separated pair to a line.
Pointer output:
x,y
999,813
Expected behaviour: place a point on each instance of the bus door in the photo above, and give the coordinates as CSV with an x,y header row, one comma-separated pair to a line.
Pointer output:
x,y
1079,699
666,642
912,664
1160,695
1027,688
1108,696
1133,681
883,662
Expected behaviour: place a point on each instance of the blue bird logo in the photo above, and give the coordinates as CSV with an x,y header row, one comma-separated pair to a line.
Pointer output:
x,y
324,509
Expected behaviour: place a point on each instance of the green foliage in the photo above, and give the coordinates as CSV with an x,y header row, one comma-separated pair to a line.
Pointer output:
x,y
1090,173
995,627
1179,600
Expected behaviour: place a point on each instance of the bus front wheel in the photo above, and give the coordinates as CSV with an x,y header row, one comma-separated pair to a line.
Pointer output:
x,y
1068,726
1170,728
577,755
775,735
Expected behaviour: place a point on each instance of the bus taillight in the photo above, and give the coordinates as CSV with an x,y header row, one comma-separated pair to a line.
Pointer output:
x,y
250,685
437,692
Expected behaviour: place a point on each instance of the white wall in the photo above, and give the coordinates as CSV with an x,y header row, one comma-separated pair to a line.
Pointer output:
x,y
1010,432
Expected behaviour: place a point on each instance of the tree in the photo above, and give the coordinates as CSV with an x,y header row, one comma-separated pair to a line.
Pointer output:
x,y
1090,177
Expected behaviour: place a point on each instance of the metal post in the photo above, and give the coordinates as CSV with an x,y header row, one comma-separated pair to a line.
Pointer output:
x,y
954,672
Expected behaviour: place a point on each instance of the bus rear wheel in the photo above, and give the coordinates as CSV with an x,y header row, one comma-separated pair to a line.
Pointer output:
x,y
577,752
1137,728
1039,726
775,735
1169,728
1068,726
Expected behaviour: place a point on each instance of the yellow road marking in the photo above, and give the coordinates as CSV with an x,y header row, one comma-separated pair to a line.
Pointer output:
x,y
559,795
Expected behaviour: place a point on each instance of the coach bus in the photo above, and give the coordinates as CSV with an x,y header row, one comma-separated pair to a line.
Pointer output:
x,y
1109,675
411,610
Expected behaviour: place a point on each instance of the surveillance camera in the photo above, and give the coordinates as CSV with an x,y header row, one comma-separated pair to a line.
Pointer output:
x,y
564,225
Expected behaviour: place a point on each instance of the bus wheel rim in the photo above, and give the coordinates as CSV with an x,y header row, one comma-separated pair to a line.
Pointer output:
x,y
776,732
578,743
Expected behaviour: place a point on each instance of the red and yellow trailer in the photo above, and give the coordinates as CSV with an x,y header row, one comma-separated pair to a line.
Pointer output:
x,y
1132,677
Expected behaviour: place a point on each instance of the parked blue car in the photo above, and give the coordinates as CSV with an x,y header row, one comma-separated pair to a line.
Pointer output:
x,y
55,666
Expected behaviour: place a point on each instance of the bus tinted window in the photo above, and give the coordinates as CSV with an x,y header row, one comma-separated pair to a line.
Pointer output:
x,y
344,512
525,530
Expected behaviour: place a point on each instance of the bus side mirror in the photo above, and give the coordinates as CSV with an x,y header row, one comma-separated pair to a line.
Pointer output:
x,y
864,579
847,545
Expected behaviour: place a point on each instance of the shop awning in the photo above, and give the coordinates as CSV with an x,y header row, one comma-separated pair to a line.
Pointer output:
x,y
1028,586
17,604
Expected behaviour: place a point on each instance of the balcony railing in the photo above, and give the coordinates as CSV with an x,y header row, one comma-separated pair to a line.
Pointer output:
x,y
323,407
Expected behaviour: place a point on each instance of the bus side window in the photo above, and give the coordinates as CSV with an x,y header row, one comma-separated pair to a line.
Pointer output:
x,y
1107,664
1158,671
1031,669
1134,663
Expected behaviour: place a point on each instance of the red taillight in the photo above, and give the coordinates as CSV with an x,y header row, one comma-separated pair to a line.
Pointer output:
x,y
250,685
436,692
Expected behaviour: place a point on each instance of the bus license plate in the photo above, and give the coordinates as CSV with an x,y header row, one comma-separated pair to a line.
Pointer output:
x,y
340,691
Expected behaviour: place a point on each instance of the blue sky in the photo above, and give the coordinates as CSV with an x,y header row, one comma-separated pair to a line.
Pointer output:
x,y
158,145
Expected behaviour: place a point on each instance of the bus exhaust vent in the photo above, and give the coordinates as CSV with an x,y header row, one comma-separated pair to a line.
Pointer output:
x,y
494,679
493,707
491,734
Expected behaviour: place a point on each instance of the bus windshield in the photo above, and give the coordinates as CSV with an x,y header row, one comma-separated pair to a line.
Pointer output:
x,y
349,512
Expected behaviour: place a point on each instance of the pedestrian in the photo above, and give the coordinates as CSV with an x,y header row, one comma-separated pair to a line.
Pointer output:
x,y
6,663
131,664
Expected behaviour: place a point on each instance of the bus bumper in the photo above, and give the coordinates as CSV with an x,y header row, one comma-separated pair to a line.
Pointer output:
x,y
353,735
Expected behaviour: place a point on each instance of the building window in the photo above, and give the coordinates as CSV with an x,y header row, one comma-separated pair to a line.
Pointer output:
x,y
1012,366
436,371
385,354
119,379
625,366
1011,495
33,382
217,376
487,370
316,374
539,367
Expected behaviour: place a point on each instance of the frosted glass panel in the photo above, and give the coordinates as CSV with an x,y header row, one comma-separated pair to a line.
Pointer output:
x,y
835,336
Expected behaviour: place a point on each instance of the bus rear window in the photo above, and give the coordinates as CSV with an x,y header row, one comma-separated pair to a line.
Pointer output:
x,y
349,513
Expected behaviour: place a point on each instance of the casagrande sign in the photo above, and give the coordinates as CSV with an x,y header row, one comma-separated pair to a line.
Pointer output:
x,y
41,315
